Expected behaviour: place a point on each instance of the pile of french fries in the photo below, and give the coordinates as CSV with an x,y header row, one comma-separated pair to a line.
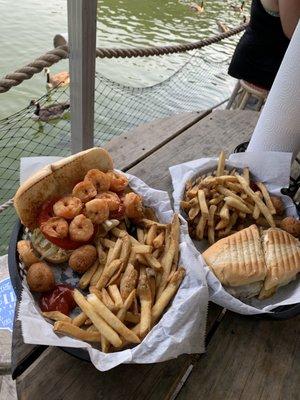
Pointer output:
x,y
130,285
223,202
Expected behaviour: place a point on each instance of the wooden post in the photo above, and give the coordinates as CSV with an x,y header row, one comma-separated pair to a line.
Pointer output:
x,y
82,43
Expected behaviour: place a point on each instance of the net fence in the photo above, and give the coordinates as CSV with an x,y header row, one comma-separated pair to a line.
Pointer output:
x,y
200,83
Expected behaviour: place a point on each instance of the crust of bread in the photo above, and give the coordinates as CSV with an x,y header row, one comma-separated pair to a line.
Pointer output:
x,y
282,255
237,259
56,180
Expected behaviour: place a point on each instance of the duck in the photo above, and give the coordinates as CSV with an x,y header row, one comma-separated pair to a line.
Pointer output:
x,y
222,27
57,80
238,8
197,7
47,113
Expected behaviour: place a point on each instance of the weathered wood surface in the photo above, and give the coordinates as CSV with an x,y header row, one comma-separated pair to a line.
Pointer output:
x,y
75,379
7,388
126,150
132,147
248,359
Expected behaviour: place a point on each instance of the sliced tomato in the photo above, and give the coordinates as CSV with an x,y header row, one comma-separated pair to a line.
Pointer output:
x,y
66,243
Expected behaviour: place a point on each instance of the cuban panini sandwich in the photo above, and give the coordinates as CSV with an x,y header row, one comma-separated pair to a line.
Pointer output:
x,y
255,262
81,212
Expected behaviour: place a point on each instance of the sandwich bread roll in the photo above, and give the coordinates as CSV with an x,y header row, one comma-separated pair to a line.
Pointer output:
x,y
56,179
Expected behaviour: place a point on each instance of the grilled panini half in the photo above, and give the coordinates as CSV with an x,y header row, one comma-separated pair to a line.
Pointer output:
x,y
282,255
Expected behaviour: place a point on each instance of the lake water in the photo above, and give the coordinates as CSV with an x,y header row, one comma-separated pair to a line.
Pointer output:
x,y
28,27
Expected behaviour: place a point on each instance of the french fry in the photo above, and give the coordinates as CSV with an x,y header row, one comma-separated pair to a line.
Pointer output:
x,y
201,227
107,300
88,322
125,251
144,293
115,295
216,200
79,319
140,258
237,204
133,318
147,223
266,196
109,244
96,276
193,212
92,328
227,192
111,320
97,292
66,328
235,187
104,344
246,175
232,220
159,240
126,305
115,254
128,281
118,232
57,316
224,212
221,164
110,224
116,278
99,322
263,208
256,210
211,224
108,272
152,233
140,235
153,262
168,256
157,252
101,253
202,203
211,216
142,248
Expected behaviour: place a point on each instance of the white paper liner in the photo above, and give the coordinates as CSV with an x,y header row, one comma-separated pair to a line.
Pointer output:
x,y
273,169
181,330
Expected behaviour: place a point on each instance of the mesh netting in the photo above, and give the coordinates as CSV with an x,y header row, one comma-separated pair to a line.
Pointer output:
x,y
199,84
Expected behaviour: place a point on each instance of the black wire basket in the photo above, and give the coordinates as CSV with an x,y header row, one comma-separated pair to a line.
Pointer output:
x,y
289,311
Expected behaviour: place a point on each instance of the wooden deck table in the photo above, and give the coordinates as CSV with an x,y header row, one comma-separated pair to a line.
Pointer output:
x,y
246,358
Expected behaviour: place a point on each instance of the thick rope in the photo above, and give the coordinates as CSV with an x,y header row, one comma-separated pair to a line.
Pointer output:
x,y
61,52
6,205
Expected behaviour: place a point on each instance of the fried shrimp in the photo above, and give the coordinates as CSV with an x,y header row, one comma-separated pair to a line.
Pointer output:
x,y
111,198
118,182
99,179
81,228
97,210
133,206
67,207
85,191
56,227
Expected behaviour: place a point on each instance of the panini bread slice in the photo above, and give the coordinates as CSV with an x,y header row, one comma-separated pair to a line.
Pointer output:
x,y
238,259
56,180
282,255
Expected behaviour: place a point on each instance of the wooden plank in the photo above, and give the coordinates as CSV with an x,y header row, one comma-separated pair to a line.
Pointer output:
x,y
248,359
135,145
7,388
219,130
82,42
157,381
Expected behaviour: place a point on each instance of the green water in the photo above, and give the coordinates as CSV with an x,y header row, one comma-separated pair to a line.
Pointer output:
x,y
28,27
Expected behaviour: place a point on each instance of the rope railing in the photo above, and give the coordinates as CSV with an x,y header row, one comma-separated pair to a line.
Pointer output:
x,y
62,52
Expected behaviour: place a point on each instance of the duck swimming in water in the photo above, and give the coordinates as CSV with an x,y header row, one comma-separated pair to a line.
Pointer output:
x,y
197,7
61,79
238,8
222,27
47,113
